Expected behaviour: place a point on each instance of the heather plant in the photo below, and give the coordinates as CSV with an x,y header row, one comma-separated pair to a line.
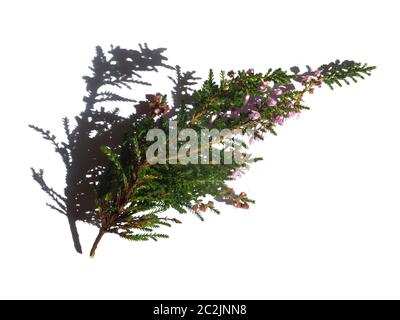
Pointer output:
x,y
178,152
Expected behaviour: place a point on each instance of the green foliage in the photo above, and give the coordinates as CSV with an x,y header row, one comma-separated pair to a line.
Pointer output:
x,y
143,236
279,76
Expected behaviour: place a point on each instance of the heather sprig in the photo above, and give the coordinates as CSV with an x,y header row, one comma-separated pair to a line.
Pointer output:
x,y
129,193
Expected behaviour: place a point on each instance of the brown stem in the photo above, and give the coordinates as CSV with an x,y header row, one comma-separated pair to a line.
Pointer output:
x,y
96,243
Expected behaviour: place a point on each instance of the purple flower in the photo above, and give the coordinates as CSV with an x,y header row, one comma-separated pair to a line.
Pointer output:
x,y
231,73
258,102
271,102
294,114
278,119
290,105
254,115
263,88
305,79
277,91
267,84
250,72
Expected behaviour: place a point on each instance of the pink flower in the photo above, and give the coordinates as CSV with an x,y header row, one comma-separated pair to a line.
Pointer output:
x,y
267,84
277,92
317,73
254,115
279,119
271,102
263,88
294,114
305,79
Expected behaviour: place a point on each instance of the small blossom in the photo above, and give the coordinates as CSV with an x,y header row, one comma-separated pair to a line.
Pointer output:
x,y
268,84
243,194
254,115
294,114
271,102
277,91
231,73
318,83
250,72
157,104
305,79
244,206
263,88
279,119
290,105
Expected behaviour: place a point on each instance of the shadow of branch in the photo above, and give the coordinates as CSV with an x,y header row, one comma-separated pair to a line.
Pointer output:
x,y
95,127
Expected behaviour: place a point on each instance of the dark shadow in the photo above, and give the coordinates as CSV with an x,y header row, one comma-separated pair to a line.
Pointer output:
x,y
117,69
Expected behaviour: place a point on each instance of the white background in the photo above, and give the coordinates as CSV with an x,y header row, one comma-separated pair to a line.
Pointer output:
x,y
326,222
